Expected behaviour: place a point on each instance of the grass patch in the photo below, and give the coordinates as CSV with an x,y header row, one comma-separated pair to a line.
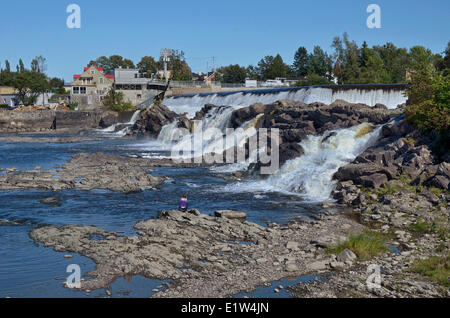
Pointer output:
x,y
436,191
440,228
366,245
387,190
421,227
436,268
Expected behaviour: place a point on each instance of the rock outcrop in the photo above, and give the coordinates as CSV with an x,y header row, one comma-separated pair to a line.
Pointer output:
x,y
203,256
86,172
153,119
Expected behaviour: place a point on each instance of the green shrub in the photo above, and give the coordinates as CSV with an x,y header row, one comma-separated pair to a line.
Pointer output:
x,y
114,101
4,106
431,111
73,106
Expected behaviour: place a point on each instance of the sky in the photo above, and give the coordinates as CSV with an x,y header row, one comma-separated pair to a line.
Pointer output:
x,y
233,31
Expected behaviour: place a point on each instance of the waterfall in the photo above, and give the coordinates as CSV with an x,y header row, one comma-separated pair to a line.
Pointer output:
x,y
134,118
166,133
120,129
218,119
191,104
310,175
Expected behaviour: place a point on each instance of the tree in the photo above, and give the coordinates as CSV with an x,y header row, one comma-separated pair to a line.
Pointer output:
x,y
442,63
148,66
21,66
395,61
431,113
301,61
253,73
39,64
7,66
6,77
232,74
113,62
338,57
272,67
350,68
115,101
320,63
29,86
373,70
422,71
180,70
57,85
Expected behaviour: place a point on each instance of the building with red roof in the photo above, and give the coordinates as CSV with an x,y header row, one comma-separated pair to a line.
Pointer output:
x,y
89,88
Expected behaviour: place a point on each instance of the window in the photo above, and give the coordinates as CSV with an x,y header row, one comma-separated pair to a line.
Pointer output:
x,y
139,96
76,90
83,90
100,80
92,72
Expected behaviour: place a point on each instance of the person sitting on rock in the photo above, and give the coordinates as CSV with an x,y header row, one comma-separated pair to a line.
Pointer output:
x,y
183,203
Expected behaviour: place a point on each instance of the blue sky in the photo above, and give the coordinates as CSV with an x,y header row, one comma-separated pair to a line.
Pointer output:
x,y
233,31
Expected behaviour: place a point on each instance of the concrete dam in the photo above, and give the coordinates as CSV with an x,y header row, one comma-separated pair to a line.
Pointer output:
x,y
390,95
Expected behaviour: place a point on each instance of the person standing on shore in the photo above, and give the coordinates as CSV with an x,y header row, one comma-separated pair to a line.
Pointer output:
x,y
183,203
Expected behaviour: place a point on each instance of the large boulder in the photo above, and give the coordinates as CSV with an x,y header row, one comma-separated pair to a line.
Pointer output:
x,y
355,171
153,119
289,151
346,256
230,214
438,181
375,180
245,114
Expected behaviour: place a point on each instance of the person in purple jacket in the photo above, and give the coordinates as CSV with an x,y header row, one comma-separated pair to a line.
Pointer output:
x,y
183,204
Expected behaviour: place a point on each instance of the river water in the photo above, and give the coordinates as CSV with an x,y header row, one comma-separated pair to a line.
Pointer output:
x,y
28,269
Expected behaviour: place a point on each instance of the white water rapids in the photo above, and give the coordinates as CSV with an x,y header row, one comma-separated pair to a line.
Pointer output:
x,y
309,175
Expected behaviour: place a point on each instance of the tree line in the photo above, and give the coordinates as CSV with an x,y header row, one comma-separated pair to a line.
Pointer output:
x,y
347,64
148,65
30,82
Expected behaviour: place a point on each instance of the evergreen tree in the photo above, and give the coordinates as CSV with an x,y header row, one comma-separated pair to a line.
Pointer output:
x,y
301,61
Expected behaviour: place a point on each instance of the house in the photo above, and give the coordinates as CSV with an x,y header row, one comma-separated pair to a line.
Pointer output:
x,y
8,96
89,88
135,88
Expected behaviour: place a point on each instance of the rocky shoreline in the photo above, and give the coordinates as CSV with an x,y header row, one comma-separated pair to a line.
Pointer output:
x,y
203,256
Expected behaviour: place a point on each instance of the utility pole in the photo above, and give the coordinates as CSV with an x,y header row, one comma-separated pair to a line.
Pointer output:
x,y
207,71
214,64
165,53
